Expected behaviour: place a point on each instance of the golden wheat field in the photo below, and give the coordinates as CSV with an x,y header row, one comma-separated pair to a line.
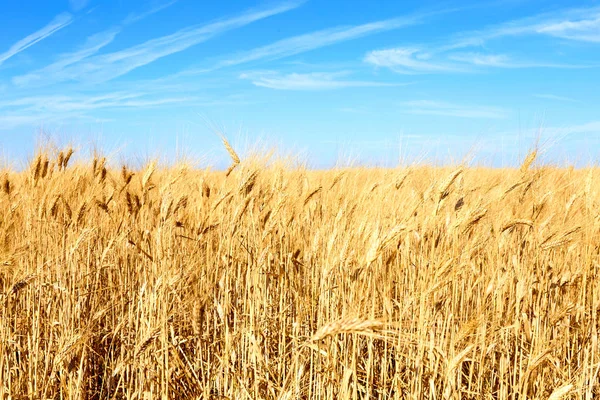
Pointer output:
x,y
275,282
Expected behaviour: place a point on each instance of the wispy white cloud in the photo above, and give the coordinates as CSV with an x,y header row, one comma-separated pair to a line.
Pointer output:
x,y
9,121
557,132
586,30
586,128
487,60
504,61
407,60
315,40
105,67
575,24
581,24
37,110
134,17
414,61
551,134
58,23
70,103
34,111
555,97
309,81
427,107
92,45
77,5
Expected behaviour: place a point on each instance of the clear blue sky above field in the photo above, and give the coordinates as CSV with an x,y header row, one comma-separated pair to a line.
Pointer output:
x,y
336,80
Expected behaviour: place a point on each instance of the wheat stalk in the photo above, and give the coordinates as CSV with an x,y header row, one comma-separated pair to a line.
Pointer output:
x,y
444,188
144,344
528,161
561,392
311,195
67,157
347,325
20,285
148,174
248,183
514,222
234,157
6,187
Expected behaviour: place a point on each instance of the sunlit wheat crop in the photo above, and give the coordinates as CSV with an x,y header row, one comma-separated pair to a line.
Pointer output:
x,y
277,282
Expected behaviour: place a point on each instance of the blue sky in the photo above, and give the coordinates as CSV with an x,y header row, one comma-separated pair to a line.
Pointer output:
x,y
332,81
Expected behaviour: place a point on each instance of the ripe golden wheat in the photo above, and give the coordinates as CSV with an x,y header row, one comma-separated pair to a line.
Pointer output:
x,y
274,282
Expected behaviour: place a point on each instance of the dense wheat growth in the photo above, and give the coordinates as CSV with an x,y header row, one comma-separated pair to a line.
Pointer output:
x,y
267,282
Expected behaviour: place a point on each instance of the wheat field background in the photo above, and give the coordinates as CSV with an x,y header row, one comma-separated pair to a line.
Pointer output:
x,y
275,282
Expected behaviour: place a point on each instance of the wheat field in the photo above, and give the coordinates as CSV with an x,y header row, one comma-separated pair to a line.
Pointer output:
x,y
267,281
